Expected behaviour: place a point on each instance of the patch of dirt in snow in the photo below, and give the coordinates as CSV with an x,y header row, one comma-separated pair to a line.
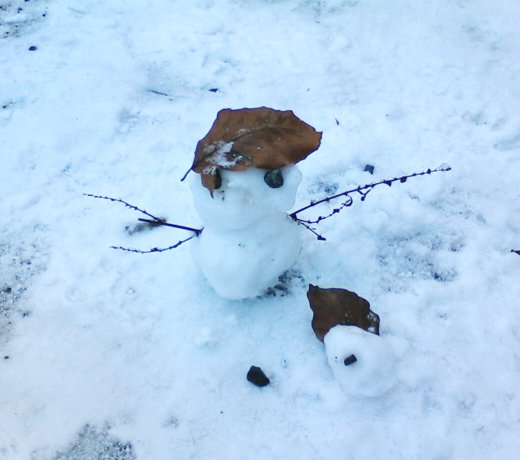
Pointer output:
x,y
20,261
420,256
17,16
92,443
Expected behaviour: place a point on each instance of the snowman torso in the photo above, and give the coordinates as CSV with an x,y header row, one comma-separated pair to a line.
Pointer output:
x,y
248,239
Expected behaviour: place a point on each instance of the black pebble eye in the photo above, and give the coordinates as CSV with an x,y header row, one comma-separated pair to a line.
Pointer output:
x,y
274,178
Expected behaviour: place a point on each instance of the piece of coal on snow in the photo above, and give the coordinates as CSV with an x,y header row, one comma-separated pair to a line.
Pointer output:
x,y
369,168
257,377
349,360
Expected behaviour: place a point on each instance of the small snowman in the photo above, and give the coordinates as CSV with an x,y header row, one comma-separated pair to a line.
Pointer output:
x,y
248,181
362,361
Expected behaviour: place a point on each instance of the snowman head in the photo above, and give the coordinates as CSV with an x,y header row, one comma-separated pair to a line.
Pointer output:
x,y
245,197
362,362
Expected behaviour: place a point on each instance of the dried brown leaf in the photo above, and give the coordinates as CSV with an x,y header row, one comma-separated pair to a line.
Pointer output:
x,y
261,137
335,306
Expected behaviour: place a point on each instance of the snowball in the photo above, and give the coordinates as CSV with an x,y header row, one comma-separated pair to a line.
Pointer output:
x,y
244,263
244,197
373,373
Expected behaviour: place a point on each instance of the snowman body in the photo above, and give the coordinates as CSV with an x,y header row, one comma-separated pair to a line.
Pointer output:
x,y
248,239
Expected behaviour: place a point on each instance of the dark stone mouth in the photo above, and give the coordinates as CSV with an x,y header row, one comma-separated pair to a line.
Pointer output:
x,y
349,360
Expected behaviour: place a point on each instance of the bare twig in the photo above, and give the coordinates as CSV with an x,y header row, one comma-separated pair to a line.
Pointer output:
x,y
155,220
153,250
362,191
128,205
308,227
516,251
197,231
186,174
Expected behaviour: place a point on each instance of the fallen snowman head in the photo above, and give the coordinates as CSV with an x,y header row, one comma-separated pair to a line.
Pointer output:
x,y
248,181
362,361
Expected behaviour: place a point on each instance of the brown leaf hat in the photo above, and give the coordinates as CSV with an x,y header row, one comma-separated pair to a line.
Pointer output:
x,y
261,137
335,306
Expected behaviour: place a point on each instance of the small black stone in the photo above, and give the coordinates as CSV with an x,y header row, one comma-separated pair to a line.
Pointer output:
x,y
274,178
214,90
8,290
369,168
6,357
350,360
257,377
33,48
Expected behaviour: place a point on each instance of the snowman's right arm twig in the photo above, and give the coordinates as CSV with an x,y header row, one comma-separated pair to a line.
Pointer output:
x,y
150,251
362,191
154,221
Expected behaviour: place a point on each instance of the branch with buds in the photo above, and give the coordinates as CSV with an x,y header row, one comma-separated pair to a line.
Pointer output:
x,y
153,221
348,197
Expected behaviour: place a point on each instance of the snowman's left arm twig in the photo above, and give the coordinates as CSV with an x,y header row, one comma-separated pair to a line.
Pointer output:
x,y
362,191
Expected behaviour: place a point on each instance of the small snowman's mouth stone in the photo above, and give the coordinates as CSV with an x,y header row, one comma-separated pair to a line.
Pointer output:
x,y
349,360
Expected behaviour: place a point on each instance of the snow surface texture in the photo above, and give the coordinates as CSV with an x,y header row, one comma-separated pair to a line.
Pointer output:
x,y
113,102
373,374
248,240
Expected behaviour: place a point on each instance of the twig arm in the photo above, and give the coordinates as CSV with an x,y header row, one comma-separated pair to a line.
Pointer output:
x,y
153,250
154,220
364,190
128,205
197,231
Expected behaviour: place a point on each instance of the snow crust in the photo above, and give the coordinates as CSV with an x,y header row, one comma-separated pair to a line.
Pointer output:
x,y
248,240
139,347
374,372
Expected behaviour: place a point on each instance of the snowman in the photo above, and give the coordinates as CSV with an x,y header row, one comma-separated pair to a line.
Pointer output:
x,y
361,360
247,181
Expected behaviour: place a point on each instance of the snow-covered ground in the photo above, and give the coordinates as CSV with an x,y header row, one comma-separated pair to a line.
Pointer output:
x,y
112,355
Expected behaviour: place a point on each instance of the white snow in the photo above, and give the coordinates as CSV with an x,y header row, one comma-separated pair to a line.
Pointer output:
x,y
374,372
100,348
